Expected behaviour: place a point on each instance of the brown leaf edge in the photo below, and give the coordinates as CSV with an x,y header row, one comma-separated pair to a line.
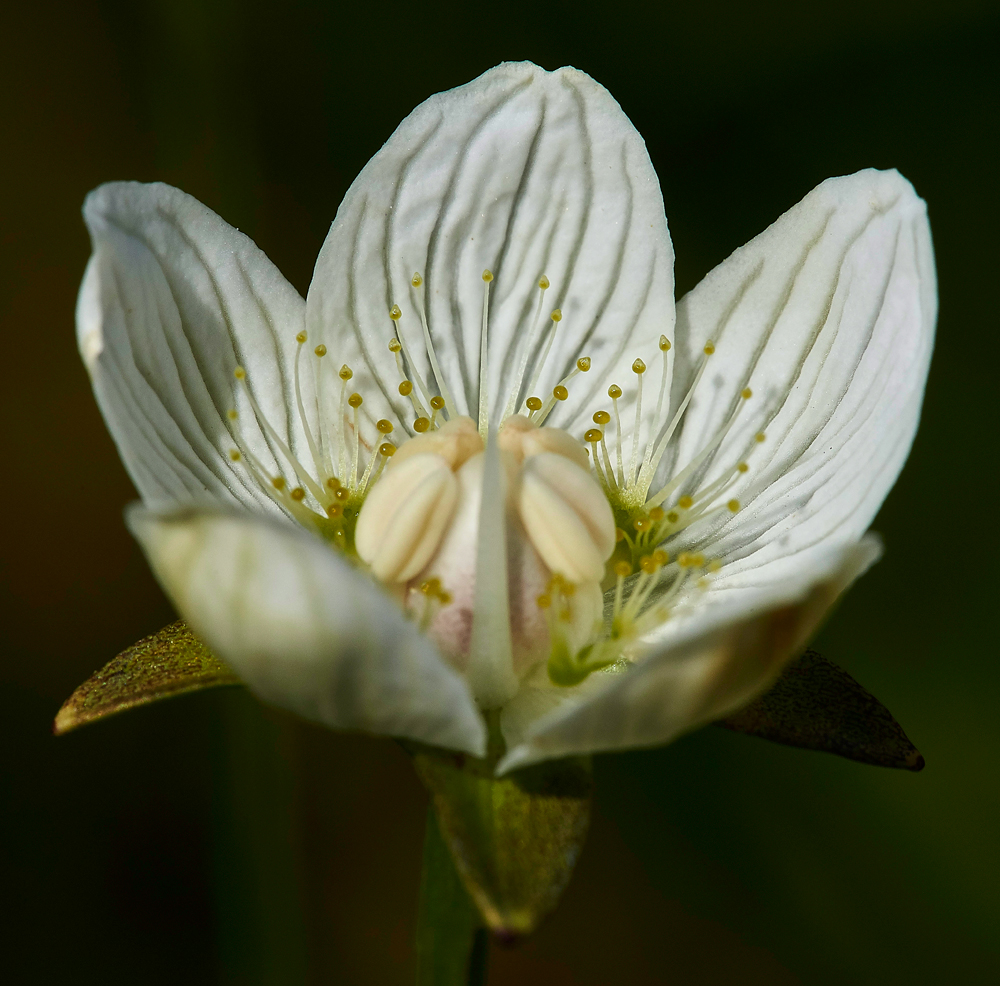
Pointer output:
x,y
168,663
815,705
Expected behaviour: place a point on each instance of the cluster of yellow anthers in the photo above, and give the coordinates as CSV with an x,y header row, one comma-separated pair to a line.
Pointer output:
x,y
641,580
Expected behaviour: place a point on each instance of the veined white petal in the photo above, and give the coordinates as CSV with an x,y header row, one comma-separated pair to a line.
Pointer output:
x,y
525,173
173,300
829,317
304,629
703,667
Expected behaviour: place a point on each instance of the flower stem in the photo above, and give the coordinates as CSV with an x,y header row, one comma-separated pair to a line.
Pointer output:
x,y
452,943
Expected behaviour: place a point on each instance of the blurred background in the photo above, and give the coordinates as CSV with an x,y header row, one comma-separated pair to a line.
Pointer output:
x,y
210,840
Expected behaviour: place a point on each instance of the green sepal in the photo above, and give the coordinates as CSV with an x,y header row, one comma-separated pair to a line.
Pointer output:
x,y
515,839
168,663
818,706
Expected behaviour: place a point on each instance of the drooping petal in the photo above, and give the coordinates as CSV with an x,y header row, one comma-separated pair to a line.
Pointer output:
x,y
304,629
525,173
173,300
697,669
828,316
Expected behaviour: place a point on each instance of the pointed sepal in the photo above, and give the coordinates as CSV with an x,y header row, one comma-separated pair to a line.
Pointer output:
x,y
514,839
168,663
818,706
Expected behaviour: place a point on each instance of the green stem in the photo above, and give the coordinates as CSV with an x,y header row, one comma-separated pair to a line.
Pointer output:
x,y
452,944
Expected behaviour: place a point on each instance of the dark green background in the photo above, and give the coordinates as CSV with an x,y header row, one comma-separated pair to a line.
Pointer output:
x,y
211,841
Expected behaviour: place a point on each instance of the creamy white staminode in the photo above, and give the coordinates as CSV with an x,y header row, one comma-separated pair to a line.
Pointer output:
x,y
542,488
578,520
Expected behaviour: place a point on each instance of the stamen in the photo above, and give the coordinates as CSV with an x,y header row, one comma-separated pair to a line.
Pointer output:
x,y
529,345
417,283
614,392
713,443
559,392
651,443
345,373
638,368
300,471
405,386
484,399
313,450
533,404
355,400
395,313
556,318
437,404
324,427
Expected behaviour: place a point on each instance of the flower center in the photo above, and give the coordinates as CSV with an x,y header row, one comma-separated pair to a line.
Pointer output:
x,y
581,518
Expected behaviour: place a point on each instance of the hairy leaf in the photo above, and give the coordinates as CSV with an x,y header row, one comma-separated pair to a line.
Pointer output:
x,y
818,706
167,663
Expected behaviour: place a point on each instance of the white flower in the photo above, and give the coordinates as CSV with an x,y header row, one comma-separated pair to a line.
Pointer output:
x,y
353,501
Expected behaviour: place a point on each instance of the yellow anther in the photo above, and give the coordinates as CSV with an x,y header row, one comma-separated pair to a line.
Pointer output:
x,y
298,494
619,535
232,414
234,454
593,435
583,364
638,366
345,372
641,523
742,467
343,493
543,601
684,559
444,597
240,373
647,564
685,503
394,345
622,569
437,403
560,393
614,392
660,557
301,338
656,514
431,587
746,393
395,313
714,565
566,614
664,344
387,449
406,388
698,560
487,276
278,482
759,437
734,505
416,280
543,282
709,348
320,350
533,403
556,315
601,417
421,425
384,426
334,510
333,483
673,517
355,400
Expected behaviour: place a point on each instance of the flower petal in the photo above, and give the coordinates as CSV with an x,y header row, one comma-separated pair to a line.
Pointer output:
x,y
525,173
828,316
304,629
173,300
715,661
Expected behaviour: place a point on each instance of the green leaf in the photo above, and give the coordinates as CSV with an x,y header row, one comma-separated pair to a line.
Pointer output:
x,y
168,663
818,706
514,839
